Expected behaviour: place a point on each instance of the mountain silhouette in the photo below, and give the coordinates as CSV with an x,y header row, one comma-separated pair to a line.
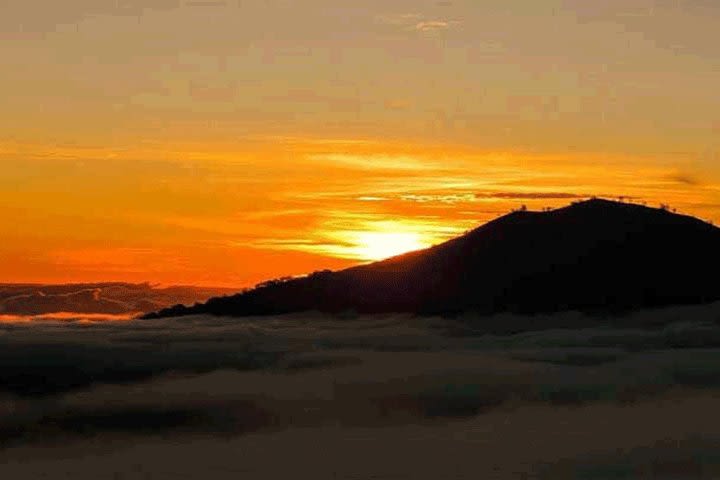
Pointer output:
x,y
595,255
97,298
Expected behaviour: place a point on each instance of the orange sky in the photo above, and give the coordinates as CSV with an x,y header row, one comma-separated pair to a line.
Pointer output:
x,y
222,143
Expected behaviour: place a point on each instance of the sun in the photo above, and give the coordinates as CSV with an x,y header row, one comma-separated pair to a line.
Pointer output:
x,y
373,240
374,246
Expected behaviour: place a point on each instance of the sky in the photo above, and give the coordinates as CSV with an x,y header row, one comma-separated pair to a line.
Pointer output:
x,y
222,143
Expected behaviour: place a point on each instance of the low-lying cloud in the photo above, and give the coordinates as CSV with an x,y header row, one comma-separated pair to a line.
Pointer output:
x,y
225,376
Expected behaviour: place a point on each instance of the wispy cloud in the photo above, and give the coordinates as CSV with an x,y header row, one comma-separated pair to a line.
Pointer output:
x,y
378,161
443,198
454,198
532,195
397,104
685,178
434,25
206,3
399,19
368,198
417,22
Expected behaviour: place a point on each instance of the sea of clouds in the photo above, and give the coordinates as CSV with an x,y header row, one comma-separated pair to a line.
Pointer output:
x,y
148,395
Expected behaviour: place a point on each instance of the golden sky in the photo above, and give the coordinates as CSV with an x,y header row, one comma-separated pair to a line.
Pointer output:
x,y
225,142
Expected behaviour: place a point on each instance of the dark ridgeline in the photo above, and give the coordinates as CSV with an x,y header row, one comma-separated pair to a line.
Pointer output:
x,y
595,255
97,298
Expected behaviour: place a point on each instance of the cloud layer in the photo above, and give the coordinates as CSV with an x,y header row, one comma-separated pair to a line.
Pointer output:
x,y
230,376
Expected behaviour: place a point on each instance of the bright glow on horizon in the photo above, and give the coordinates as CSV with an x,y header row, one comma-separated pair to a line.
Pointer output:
x,y
75,317
238,218
225,156
374,246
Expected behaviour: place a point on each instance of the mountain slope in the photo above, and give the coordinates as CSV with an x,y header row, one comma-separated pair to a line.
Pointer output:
x,y
593,255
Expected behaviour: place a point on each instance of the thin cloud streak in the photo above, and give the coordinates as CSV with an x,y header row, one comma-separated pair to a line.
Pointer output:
x,y
416,21
69,317
399,19
434,25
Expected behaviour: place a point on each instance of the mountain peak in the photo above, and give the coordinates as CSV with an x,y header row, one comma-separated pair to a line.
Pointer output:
x,y
595,254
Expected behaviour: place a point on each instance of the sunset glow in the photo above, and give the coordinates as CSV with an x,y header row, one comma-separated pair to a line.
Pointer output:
x,y
337,239
68,317
236,218
381,245
224,155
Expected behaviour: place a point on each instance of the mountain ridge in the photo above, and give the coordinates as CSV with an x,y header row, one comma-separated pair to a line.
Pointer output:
x,y
591,255
111,298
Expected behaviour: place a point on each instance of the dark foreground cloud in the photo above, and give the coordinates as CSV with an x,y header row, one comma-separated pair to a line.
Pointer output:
x,y
671,437
229,377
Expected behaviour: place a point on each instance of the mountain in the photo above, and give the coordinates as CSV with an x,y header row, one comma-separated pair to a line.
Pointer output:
x,y
595,255
96,298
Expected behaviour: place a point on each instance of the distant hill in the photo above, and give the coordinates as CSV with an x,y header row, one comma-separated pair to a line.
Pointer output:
x,y
97,298
595,255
